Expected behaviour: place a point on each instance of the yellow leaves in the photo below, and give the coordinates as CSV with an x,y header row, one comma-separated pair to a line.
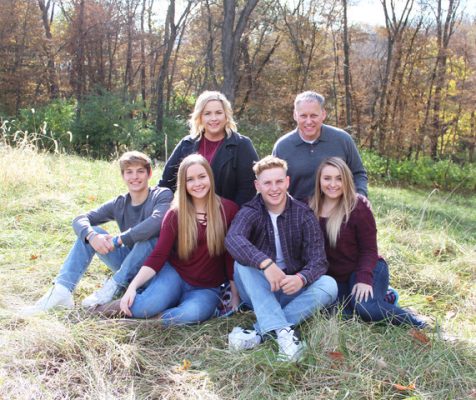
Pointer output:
x,y
430,299
92,198
185,365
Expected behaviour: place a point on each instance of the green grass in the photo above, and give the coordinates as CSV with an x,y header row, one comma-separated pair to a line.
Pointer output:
x,y
428,238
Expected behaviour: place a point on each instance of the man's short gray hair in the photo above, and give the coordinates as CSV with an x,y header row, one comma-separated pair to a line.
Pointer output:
x,y
309,96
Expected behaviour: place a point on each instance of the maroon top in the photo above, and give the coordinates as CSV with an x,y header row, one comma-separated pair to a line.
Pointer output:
x,y
208,148
356,248
200,269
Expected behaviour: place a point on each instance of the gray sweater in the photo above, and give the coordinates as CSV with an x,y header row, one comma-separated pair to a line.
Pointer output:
x,y
304,158
137,223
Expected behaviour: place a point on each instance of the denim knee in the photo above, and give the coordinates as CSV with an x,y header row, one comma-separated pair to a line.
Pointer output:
x,y
328,285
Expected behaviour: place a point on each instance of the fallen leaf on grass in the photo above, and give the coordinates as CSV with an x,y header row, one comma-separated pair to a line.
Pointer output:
x,y
419,336
430,299
186,364
336,355
34,257
403,388
92,198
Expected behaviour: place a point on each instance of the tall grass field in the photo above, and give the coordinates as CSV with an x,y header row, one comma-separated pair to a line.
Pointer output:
x,y
428,238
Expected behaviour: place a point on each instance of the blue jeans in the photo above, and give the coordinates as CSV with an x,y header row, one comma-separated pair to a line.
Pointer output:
x,y
179,302
375,309
123,261
276,310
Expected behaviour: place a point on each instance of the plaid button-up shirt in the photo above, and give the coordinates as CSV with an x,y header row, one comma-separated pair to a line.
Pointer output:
x,y
250,239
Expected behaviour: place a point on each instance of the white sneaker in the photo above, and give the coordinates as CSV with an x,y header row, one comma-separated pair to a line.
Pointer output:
x,y
57,296
290,346
103,295
243,339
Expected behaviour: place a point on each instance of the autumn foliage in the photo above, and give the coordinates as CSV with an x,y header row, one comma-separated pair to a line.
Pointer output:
x,y
404,89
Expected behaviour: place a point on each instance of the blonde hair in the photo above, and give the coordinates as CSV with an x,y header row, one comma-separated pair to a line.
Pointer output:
x,y
195,122
186,213
269,162
340,214
132,158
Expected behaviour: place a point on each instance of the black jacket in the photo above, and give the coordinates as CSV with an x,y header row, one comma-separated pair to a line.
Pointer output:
x,y
232,166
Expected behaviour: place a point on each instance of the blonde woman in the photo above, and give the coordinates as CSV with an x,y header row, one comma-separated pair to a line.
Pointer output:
x,y
351,246
213,135
189,262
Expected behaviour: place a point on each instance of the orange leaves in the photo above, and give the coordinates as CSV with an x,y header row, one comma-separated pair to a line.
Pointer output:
x,y
336,356
92,198
337,359
403,388
419,336
34,257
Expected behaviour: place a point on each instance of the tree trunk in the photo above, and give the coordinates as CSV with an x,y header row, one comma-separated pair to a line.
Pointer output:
x,y
210,78
444,33
346,44
170,35
143,74
79,77
230,46
47,19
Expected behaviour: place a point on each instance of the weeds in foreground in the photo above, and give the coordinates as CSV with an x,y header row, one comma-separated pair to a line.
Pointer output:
x,y
73,355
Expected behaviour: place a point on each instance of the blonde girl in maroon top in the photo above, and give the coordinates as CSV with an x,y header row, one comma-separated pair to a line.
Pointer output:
x,y
189,262
351,246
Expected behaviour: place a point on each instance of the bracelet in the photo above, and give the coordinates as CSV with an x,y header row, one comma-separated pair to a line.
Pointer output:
x,y
115,242
91,236
303,279
267,265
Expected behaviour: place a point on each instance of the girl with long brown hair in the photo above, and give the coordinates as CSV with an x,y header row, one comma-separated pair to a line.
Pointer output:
x,y
351,247
189,262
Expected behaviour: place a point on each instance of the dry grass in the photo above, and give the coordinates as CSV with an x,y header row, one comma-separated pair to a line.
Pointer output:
x,y
71,355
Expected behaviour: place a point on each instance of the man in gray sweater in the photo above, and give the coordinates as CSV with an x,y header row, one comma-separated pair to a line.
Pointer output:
x,y
311,142
138,214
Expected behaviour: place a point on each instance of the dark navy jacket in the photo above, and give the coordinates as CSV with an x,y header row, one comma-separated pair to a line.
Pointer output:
x,y
232,166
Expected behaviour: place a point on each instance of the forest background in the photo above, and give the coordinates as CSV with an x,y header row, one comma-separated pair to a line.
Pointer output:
x,y
98,77
93,78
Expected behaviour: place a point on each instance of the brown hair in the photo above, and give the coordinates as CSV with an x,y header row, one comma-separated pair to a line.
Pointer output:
x,y
135,157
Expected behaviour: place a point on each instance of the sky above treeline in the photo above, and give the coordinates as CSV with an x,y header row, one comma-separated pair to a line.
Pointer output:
x,y
371,11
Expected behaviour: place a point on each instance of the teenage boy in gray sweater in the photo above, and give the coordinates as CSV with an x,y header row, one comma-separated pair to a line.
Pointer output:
x,y
138,214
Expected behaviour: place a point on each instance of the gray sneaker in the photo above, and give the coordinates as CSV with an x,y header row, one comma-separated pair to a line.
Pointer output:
x,y
103,295
243,339
290,346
